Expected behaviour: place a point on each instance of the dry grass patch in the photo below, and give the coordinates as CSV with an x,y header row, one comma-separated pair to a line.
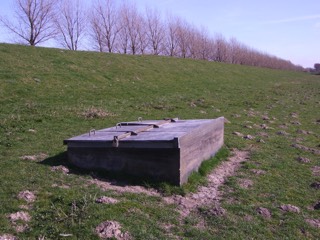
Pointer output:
x,y
93,112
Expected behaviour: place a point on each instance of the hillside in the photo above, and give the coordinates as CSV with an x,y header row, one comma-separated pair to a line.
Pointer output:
x,y
47,95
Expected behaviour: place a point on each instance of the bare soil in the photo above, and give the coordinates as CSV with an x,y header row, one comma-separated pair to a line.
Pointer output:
x,y
63,186
60,168
245,183
290,208
316,170
111,229
107,200
314,222
19,220
315,185
210,194
317,206
37,157
303,160
264,212
19,216
238,134
282,133
307,149
304,132
122,187
258,171
27,196
8,237
93,112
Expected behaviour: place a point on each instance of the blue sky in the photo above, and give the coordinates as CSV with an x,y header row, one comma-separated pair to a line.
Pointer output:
x,y
289,29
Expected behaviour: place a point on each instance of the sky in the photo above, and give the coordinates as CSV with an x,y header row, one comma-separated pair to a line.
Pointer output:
x,y
289,29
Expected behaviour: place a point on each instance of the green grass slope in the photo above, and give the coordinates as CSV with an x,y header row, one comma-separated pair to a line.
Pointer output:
x,y
47,95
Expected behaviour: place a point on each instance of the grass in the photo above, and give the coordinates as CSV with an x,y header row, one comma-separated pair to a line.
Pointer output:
x,y
47,95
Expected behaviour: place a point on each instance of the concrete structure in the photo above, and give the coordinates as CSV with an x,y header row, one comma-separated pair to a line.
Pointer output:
x,y
164,150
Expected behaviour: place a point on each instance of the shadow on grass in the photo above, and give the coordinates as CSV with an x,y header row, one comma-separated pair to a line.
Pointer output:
x,y
57,160
114,178
124,179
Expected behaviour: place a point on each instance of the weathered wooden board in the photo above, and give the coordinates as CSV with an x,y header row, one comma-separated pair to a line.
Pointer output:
x,y
163,150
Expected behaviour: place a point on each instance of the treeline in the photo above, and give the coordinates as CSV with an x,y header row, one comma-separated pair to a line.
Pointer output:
x,y
108,26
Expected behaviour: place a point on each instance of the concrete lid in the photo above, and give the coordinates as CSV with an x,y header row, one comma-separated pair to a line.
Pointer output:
x,y
144,134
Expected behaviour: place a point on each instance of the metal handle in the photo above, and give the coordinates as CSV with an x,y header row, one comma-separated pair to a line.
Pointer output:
x,y
92,130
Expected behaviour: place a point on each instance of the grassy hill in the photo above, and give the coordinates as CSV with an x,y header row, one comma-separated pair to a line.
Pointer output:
x,y
47,95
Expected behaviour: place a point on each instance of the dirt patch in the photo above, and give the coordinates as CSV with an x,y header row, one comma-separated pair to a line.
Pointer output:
x,y
314,222
315,170
25,207
63,186
283,126
210,194
94,112
8,237
111,229
258,171
303,160
317,206
226,121
27,196
122,187
19,220
264,212
60,168
299,140
263,134
106,200
245,183
214,210
249,137
37,157
19,216
248,218
295,123
238,134
282,133
265,127
315,185
304,132
307,149
290,208
261,141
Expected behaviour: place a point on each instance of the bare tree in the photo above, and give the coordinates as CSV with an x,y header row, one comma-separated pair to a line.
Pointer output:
x,y
171,38
97,34
71,24
183,38
142,35
34,21
204,45
236,51
155,31
104,25
221,48
131,24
